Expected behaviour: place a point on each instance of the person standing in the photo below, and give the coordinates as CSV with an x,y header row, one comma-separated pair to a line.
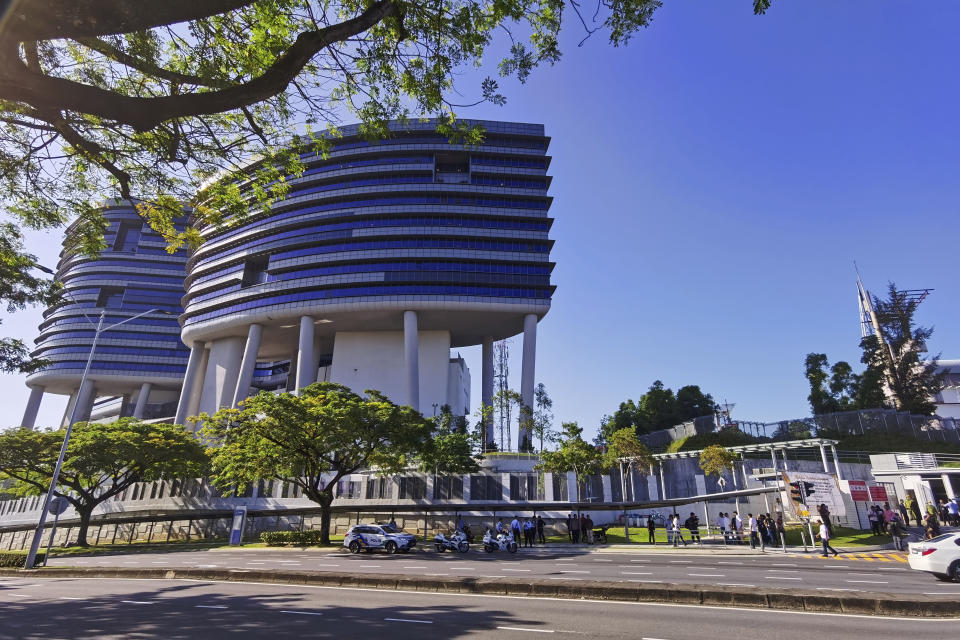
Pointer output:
x,y
914,507
872,517
825,540
737,524
898,532
515,529
586,528
824,512
574,528
781,531
954,509
693,526
752,527
651,529
540,537
499,526
677,533
904,514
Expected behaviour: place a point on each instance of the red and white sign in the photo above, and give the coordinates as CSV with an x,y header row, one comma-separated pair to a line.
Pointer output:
x,y
858,491
878,493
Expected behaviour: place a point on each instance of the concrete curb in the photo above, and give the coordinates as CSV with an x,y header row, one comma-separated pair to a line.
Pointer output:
x,y
708,595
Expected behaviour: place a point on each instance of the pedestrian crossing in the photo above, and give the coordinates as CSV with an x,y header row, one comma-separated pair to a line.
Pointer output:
x,y
875,556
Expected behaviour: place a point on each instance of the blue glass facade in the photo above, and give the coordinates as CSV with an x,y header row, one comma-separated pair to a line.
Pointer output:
x,y
133,274
409,218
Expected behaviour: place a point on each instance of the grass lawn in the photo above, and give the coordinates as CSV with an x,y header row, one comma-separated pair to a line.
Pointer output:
x,y
172,547
842,537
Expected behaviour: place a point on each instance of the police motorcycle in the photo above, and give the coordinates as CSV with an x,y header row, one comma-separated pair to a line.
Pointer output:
x,y
456,542
500,542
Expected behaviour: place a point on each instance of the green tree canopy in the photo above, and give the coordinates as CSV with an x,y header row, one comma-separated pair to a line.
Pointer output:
x,y
168,101
658,408
573,453
714,460
102,460
542,416
317,437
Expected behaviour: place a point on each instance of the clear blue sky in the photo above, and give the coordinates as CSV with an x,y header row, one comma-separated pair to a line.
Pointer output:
x,y
714,182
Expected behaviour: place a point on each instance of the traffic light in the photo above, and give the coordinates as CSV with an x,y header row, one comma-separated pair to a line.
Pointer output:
x,y
808,489
795,492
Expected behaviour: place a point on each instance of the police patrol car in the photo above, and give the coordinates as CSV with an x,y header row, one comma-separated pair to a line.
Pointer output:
x,y
375,536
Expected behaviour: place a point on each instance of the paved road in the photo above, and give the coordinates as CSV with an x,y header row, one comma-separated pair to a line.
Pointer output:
x,y
884,574
171,609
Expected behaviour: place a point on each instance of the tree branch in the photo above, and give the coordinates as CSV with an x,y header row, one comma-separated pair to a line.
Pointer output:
x,y
52,19
20,84
146,66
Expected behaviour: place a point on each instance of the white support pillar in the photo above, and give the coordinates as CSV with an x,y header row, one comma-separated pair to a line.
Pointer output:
x,y
306,361
663,485
249,363
194,372
773,458
528,374
836,462
823,457
486,389
142,398
411,355
223,369
85,399
33,407
947,486
68,412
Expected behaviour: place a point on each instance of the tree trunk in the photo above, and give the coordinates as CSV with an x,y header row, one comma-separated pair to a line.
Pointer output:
x,y
325,502
84,513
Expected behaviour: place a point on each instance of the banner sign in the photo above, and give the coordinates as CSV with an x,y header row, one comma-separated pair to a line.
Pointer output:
x,y
812,490
236,527
858,490
878,494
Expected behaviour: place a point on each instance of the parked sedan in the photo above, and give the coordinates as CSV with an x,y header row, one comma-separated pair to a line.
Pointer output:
x,y
939,556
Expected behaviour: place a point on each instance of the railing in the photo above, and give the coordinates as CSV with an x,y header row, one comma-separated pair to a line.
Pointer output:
x,y
926,460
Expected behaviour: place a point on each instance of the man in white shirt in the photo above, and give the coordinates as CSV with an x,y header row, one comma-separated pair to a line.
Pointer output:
x,y
736,526
825,539
752,524
722,526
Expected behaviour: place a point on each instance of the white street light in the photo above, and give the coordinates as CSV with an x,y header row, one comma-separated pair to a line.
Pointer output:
x,y
38,534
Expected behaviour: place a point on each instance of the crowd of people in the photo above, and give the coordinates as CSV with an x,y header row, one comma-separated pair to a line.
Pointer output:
x,y
526,531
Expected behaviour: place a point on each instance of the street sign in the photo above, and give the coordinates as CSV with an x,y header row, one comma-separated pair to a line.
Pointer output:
x,y
57,506
236,527
809,490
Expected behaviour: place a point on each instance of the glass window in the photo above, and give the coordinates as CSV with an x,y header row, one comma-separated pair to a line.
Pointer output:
x,y
379,488
447,488
110,297
255,271
413,488
486,488
128,237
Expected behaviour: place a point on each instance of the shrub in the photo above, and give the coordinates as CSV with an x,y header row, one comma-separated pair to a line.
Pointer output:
x,y
17,558
295,538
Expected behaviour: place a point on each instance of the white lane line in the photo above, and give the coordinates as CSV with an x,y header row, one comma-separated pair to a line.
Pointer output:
x,y
372,566
326,565
135,602
70,598
681,561
572,571
599,560
562,578
493,576
784,570
836,566
781,578
854,573
256,563
651,638
436,574
735,564
565,564
783,564
834,589
637,573
408,620
639,561
206,566
524,629
734,584
459,568
19,595
210,606
868,581
524,570
648,581
707,575
301,613
410,566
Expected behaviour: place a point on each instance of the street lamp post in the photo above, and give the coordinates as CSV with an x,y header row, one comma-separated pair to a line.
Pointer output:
x,y
38,534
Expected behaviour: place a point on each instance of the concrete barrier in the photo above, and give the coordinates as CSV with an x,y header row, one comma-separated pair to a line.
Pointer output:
x,y
707,595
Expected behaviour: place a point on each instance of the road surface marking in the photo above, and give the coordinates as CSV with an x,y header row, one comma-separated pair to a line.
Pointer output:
x,y
493,576
206,566
783,564
572,571
372,566
19,595
781,578
135,602
598,560
707,575
408,620
734,584
436,574
523,629
639,561
837,566
256,563
681,561
410,566
525,570
637,573
834,589
326,565
651,638
869,581
210,606
303,613
462,568
563,578
660,581
735,564
784,570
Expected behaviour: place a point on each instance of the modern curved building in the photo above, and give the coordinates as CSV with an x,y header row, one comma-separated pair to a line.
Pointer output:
x,y
383,257
141,362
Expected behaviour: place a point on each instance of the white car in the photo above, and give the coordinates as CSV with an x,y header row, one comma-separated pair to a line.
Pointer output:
x,y
939,556
374,536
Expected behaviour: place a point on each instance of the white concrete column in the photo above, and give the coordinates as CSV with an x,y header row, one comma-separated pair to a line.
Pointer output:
x,y
836,462
486,388
68,412
411,355
85,399
528,372
223,369
249,364
195,371
142,398
773,458
306,360
823,457
663,485
947,486
33,407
